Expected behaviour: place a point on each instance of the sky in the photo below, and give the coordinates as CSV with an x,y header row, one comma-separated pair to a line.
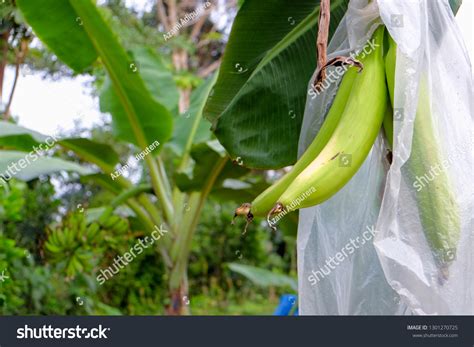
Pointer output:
x,y
52,107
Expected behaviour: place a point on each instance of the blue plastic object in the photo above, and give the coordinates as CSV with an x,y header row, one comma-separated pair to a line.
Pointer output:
x,y
287,303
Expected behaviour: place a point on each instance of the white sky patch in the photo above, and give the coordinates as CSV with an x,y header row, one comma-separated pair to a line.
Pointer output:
x,y
140,5
223,15
48,106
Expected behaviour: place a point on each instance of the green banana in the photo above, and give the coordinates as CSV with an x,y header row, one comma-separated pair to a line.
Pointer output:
x,y
390,78
351,141
388,124
437,207
263,203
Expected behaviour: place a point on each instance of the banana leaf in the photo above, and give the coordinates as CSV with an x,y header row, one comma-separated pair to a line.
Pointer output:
x,y
13,136
25,166
258,102
80,34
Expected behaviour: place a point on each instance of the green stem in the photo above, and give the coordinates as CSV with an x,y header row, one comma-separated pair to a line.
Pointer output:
x,y
143,199
159,188
182,247
127,194
164,177
178,196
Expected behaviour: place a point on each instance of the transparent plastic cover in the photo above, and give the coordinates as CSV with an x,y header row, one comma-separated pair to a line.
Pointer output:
x,y
365,251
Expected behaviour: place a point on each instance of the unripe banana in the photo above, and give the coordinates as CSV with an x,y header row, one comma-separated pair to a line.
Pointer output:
x,y
390,77
351,141
437,206
388,124
121,227
111,222
93,231
104,217
266,200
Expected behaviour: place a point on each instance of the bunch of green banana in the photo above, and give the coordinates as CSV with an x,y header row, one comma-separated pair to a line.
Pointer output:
x,y
115,224
67,244
75,242
437,207
340,147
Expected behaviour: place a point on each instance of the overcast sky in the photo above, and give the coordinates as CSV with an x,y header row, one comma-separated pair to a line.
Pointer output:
x,y
50,106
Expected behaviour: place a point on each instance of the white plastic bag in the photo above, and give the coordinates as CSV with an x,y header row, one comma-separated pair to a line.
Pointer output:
x,y
392,270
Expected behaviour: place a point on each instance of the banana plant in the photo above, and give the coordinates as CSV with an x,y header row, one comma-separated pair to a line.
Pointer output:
x,y
141,97
140,94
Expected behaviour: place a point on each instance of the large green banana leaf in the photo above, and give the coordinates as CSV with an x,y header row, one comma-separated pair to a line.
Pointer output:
x,y
140,118
13,136
190,127
16,137
157,76
59,27
158,81
258,102
26,166
204,156
92,151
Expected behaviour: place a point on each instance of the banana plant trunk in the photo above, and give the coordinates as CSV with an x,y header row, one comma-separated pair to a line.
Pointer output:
x,y
186,225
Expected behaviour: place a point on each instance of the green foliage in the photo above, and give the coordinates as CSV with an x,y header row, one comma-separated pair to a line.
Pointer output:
x,y
65,36
36,166
82,25
12,201
190,124
204,156
157,76
31,287
258,102
140,89
263,277
10,291
44,286
186,80
217,242
101,154
26,210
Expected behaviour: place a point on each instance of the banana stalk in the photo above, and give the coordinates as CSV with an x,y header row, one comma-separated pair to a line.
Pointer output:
x,y
437,206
